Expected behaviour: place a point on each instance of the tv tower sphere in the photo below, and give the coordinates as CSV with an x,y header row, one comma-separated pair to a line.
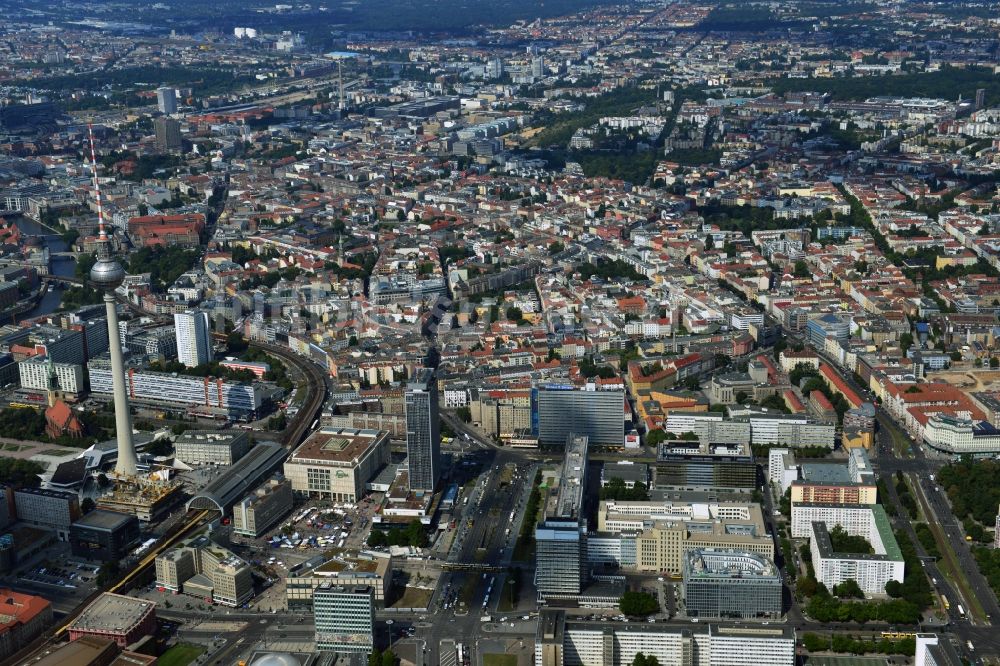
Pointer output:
x,y
107,274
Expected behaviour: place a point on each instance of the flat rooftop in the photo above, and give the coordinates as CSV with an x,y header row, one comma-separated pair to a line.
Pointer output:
x,y
336,445
711,563
103,519
826,472
113,612
210,437
574,474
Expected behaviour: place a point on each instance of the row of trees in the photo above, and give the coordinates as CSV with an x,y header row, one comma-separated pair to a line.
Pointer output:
x,y
527,536
844,644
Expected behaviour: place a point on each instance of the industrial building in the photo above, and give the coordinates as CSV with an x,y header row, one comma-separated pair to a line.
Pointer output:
x,y
730,584
262,508
217,447
345,618
336,463
121,619
104,535
563,642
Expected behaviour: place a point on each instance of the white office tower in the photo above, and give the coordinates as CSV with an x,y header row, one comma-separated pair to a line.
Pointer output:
x,y
106,275
194,345
166,100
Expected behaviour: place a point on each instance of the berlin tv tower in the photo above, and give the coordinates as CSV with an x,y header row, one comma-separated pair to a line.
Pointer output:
x,y
106,274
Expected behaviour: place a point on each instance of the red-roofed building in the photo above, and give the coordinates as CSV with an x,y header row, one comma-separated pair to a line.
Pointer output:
x,y
22,618
822,405
60,420
793,403
152,230
838,385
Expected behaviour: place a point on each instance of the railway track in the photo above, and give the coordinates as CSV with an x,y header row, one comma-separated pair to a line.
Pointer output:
x,y
316,388
191,522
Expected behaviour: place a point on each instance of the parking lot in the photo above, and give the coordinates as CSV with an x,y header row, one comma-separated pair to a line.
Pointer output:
x,y
63,580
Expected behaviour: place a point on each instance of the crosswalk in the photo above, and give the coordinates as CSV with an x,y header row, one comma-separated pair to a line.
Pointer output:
x,y
446,653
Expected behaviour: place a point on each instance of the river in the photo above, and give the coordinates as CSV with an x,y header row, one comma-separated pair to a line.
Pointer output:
x,y
65,266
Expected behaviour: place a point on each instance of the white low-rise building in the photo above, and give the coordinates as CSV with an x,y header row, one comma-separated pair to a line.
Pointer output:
x,y
960,437
35,375
782,469
870,571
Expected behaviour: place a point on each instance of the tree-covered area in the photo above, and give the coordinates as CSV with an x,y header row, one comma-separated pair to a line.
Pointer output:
x,y
29,424
609,270
617,490
906,498
988,560
628,165
814,382
164,264
203,80
559,128
22,423
76,296
414,534
643,660
382,658
973,487
947,83
638,604
842,542
588,368
20,472
526,539
451,253
278,372
694,156
745,218
146,166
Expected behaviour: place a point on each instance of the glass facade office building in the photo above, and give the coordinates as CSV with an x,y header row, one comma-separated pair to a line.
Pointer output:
x,y
600,415
423,436
730,584
345,618
560,558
